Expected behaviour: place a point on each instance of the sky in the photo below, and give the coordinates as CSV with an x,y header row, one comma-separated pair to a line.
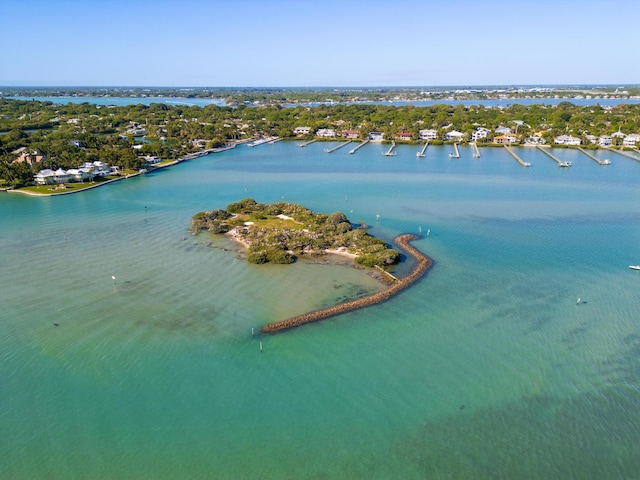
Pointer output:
x,y
341,43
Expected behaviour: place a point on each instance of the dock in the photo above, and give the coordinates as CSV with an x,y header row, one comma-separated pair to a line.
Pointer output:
x,y
277,139
353,150
329,150
626,154
304,144
262,141
518,159
421,153
455,149
553,157
390,152
476,152
595,159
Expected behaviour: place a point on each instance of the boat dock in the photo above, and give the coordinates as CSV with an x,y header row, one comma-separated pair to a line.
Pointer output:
x,y
353,150
262,141
518,159
595,159
553,157
626,154
476,152
276,139
390,152
455,149
304,144
424,149
329,150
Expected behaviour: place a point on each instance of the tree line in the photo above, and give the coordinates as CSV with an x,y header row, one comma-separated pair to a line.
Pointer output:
x,y
71,134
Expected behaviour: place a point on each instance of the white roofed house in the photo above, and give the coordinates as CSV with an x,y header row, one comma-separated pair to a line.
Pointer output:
x,y
326,132
79,174
301,130
631,140
605,141
428,134
503,130
45,177
567,140
480,133
455,136
61,176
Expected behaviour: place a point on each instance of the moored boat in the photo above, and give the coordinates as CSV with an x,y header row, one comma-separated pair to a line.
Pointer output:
x,y
634,267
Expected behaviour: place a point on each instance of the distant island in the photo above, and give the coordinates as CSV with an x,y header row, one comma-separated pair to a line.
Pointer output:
x,y
281,231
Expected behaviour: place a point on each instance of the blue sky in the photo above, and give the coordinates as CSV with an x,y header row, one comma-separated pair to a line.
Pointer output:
x,y
327,43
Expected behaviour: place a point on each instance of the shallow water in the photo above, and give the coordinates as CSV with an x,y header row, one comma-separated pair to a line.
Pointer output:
x,y
487,368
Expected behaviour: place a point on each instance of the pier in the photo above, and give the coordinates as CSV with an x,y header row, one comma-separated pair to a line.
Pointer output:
x,y
390,152
455,149
626,154
476,152
304,144
518,159
553,157
353,150
329,150
423,264
595,159
424,149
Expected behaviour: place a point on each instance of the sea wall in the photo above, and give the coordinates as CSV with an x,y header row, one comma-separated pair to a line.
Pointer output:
x,y
422,265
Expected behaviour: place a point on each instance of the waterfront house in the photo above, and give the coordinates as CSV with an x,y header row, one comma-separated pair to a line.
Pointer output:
x,y
44,177
455,136
301,130
567,140
351,134
428,134
480,133
503,130
605,141
151,160
403,136
631,140
61,176
326,133
507,138
591,139
534,140
376,136
618,134
79,174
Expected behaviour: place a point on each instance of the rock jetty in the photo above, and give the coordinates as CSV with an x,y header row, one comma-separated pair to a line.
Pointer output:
x,y
423,264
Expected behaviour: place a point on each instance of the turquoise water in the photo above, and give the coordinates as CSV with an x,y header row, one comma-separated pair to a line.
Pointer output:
x,y
487,368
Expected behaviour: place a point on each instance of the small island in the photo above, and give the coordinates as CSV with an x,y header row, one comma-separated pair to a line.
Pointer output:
x,y
279,232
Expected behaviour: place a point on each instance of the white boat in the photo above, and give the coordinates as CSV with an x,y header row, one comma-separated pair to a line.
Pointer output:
x,y
634,267
606,162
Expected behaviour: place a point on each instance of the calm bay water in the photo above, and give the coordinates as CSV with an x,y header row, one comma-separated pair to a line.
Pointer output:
x,y
487,368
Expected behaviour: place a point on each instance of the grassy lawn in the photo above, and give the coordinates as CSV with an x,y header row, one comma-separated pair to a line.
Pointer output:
x,y
67,187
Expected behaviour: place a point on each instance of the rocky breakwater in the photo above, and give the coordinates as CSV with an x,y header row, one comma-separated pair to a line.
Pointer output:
x,y
423,264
